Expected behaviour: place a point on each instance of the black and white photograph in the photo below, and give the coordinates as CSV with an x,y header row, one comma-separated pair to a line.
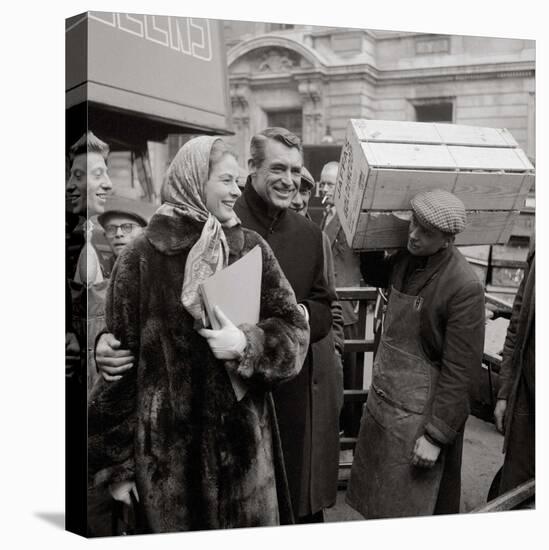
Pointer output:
x,y
298,280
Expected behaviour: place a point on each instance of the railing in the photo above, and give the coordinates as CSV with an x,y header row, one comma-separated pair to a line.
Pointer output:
x,y
355,396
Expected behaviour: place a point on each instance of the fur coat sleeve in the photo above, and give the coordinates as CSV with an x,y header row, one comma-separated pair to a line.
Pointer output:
x,y
111,429
277,346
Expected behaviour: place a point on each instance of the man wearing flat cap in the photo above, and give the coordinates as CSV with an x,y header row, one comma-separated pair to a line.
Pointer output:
x,y
408,455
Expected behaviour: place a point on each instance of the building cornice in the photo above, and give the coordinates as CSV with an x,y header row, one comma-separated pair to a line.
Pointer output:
x,y
387,77
458,72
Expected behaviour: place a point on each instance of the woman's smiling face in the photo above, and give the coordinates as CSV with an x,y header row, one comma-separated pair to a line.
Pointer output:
x,y
221,190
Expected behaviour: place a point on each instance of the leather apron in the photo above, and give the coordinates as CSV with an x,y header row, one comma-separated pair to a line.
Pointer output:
x,y
384,483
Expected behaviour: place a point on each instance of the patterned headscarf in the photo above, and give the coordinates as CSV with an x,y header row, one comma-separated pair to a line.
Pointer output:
x,y
184,194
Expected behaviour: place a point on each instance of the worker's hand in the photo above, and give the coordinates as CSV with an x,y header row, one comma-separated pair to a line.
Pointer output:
x,y
499,414
112,362
121,491
425,454
229,341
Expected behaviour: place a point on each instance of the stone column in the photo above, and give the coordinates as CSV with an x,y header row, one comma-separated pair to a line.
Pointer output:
x,y
313,111
240,103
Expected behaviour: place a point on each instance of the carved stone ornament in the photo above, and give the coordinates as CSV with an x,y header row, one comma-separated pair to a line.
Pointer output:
x,y
276,61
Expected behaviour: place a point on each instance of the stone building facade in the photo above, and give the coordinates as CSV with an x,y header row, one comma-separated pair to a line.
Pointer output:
x,y
314,79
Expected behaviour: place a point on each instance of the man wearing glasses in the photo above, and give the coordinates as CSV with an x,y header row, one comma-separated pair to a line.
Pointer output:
x,y
122,221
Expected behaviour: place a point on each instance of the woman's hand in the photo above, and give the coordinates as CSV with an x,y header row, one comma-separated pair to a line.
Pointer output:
x,y
121,491
228,342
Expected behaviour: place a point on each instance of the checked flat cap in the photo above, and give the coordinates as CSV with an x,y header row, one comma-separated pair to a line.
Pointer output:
x,y
441,210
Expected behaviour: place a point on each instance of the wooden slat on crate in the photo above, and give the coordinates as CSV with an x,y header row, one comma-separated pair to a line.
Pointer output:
x,y
391,191
381,230
457,134
493,191
396,131
409,155
522,197
487,158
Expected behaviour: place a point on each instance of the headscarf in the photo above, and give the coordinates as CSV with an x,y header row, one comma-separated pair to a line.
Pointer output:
x,y
184,194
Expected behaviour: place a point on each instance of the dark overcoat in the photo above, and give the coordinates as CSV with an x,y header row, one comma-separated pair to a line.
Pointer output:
x,y
326,401
519,348
297,245
200,459
452,337
517,378
346,266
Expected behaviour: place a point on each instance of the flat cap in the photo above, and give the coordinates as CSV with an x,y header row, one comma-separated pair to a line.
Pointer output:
x,y
441,210
140,211
306,178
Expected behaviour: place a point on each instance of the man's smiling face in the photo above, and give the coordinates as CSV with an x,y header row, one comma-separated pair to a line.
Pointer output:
x,y
279,176
88,185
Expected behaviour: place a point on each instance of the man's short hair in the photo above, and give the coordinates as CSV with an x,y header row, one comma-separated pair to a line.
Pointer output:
x,y
88,143
259,142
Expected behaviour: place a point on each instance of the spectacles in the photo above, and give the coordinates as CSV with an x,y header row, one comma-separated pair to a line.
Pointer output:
x,y
127,228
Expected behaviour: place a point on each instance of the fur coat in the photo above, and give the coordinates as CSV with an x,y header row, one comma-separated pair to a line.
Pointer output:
x,y
200,459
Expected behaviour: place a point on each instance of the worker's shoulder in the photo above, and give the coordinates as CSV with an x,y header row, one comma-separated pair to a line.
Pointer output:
x,y
461,271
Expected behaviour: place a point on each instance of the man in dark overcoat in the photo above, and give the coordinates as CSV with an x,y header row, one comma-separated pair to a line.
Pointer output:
x,y
327,389
515,411
274,177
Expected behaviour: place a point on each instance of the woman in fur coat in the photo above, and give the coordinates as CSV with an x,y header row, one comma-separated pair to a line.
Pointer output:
x,y
172,431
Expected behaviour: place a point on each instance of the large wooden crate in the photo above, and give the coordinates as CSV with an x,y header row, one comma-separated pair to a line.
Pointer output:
x,y
384,164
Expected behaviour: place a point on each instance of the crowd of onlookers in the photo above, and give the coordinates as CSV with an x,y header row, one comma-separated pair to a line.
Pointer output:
x,y
170,446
